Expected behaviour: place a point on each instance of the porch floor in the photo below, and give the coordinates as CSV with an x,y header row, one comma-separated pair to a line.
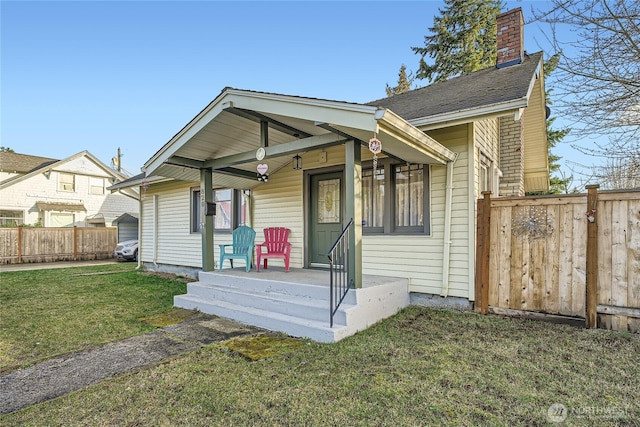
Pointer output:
x,y
307,276
294,302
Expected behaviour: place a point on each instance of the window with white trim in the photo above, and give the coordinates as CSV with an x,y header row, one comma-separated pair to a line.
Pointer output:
x,y
485,180
67,182
96,185
396,199
10,218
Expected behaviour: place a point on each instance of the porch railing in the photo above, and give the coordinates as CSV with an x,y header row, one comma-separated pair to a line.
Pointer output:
x,y
340,282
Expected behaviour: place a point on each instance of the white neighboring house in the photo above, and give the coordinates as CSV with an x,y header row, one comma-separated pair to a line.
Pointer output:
x,y
61,193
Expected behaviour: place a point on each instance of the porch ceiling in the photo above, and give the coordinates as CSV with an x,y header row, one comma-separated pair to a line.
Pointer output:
x,y
227,133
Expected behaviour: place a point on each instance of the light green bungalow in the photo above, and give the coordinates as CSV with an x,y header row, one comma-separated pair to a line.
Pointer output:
x,y
407,169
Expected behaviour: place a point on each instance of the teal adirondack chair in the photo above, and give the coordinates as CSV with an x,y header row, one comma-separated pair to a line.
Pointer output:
x,y
242,247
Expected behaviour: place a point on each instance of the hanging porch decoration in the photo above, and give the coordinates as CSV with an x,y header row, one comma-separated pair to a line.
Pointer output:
x,y
375,146
262,169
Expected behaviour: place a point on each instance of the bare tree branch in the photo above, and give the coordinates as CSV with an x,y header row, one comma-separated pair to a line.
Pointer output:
x,y
597,81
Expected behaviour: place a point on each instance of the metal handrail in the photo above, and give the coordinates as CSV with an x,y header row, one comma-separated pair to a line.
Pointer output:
x,y
340,282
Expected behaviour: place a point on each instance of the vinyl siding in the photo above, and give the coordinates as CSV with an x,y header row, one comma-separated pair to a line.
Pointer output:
x,y
419,258
278,203
147,221
281,202
535,141
176,244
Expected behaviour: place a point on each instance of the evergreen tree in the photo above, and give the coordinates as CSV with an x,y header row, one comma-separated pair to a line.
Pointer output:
x,y
6,150
404,82
462,40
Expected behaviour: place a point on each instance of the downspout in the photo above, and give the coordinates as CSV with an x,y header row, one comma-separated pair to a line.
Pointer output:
x,y
446,250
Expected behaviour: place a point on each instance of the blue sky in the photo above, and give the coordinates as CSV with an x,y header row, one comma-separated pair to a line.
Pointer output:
x,y
89,75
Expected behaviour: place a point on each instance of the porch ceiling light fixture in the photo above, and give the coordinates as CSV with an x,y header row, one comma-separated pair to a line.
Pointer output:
x,y
296,162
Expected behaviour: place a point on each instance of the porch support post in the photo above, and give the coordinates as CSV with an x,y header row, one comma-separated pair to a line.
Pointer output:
x,y
353,193
206,196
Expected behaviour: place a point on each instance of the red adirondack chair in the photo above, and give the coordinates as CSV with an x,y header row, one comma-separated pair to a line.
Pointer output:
x,y
276,245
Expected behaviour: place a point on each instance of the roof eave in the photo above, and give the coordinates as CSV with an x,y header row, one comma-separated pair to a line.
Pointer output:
x,y
414,137
137,182
459,117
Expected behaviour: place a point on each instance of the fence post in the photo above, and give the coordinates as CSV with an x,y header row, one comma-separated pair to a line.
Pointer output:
x,y
483,255
19,245
591,296
75,243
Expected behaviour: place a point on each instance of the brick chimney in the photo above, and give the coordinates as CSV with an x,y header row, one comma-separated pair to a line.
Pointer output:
x,y
510,38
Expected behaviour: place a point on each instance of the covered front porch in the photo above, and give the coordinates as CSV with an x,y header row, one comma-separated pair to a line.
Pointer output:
x,y
243,140
246,141
294,302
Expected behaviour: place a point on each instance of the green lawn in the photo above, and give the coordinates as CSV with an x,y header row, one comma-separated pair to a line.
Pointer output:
x,y
45,313
422,367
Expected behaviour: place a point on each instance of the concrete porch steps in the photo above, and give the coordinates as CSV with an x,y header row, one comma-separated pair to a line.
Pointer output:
x,y
293,303
298,304
273,321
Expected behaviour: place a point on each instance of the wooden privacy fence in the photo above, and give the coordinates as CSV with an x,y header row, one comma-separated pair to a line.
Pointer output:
x,y
574,255
27,245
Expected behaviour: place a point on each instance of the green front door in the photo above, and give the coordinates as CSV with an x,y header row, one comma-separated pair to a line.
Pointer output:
x,y
326,216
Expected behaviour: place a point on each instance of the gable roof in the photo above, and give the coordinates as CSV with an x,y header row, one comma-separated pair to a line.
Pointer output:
x,y
52,164
296,125
22,163
483,92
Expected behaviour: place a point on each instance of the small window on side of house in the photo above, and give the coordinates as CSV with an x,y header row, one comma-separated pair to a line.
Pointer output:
x,y
67,182
485,174
96,185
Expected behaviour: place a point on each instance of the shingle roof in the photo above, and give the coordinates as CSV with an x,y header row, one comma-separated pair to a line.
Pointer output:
x,y
22,163
482,88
